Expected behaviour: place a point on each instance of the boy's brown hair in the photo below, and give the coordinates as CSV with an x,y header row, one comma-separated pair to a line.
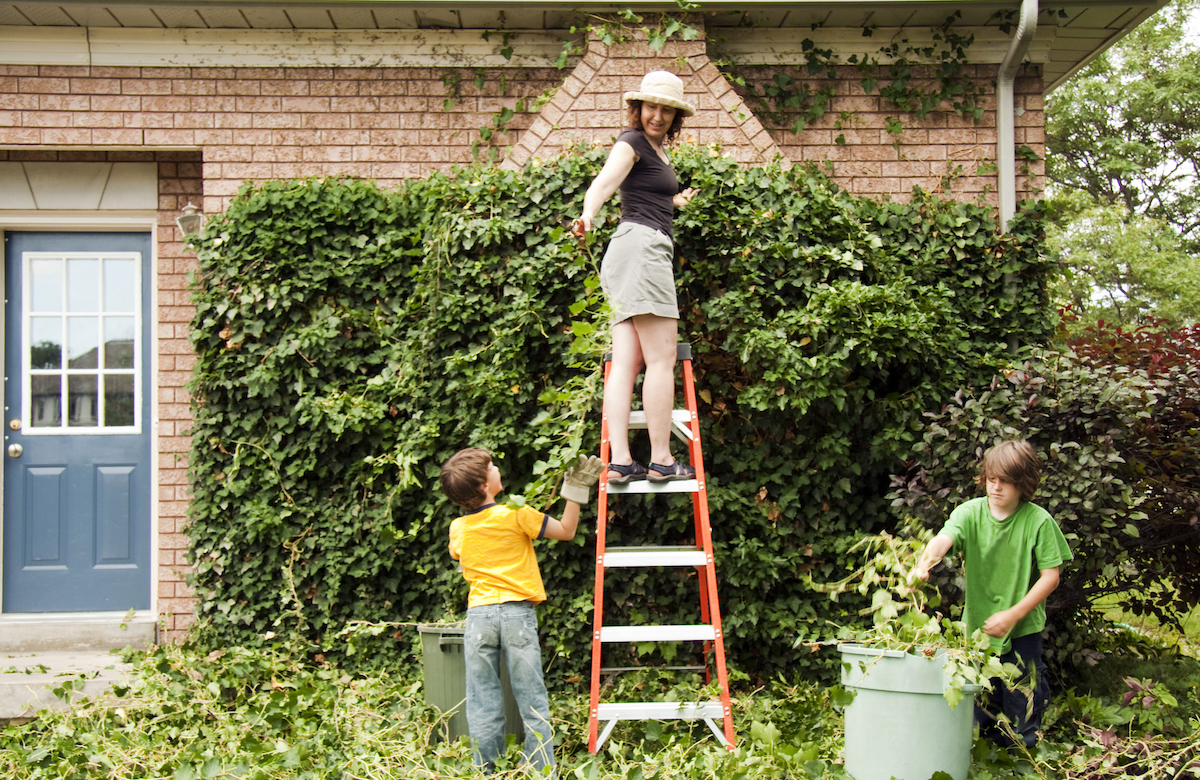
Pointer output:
x,y
1013,461
464,475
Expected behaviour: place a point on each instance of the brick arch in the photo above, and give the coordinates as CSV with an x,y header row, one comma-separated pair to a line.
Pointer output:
x,y
588,107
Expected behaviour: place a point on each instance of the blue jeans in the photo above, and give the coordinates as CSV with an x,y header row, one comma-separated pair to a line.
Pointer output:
x,y
511,627
1026,654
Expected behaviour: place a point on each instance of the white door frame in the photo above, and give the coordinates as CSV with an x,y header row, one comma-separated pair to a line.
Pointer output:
x,y
106,221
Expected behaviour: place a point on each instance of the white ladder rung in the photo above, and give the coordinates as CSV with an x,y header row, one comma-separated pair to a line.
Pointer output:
x,y
646,486
693,633
660,710
681,422
632,557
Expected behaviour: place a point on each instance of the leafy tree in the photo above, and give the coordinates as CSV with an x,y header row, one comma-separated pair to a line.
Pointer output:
x,y
1123,154
1126,129
1115,420
1121,267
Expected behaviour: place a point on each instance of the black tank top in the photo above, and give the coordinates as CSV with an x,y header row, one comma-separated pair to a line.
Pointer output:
x,y
647,192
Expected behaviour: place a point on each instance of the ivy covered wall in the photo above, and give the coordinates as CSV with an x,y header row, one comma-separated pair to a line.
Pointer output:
x,y
349,339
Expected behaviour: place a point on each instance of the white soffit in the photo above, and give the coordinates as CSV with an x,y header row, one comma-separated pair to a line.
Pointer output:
x,y
131,186
14,187
78,186
785,46
123,47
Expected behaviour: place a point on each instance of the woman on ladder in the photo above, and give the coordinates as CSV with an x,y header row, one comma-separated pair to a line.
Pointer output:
x,y
637,274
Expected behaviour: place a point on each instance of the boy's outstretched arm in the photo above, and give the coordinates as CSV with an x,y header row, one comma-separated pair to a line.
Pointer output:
x,y
999,624
576,483
932,555
563,530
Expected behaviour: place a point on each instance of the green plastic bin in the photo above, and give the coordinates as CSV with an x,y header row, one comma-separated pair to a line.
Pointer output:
x,y
899,724
445,680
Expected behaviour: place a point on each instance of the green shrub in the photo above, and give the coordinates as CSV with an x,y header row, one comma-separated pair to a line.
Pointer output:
x,y
350,339
1100,429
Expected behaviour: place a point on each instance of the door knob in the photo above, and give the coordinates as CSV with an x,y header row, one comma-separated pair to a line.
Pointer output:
x,y
15,450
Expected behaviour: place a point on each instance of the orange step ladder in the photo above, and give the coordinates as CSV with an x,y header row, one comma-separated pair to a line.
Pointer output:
x,y
685,425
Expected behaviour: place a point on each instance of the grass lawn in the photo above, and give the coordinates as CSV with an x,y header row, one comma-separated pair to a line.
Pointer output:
x,y
262,715
1188,642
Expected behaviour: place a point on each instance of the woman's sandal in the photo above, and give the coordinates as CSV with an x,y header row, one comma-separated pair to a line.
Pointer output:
x,y
620,475
676,471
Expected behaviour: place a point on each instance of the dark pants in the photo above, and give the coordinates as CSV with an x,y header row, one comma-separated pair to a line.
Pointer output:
x,y
1026,654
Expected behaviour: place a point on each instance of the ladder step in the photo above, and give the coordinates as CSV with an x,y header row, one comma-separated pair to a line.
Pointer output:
x,y
681,422
660,710
646,486
624,669
632,557
696,633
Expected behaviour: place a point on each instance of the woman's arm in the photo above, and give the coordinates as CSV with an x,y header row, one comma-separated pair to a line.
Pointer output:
x,y
618,165
683,198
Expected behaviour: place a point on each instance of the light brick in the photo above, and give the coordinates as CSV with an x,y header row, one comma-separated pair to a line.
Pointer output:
x,y
146,86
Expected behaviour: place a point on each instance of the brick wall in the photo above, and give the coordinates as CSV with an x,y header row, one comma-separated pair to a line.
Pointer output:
x,y
941,152
257,124
391,124
179,182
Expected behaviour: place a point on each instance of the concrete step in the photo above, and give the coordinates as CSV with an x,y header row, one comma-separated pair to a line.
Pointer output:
x,y
28,680
76,632
40,652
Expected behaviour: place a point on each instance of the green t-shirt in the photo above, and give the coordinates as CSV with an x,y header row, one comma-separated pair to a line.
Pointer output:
x,y
1003,559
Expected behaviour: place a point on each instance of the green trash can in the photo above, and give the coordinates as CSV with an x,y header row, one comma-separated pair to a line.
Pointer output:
x,y
899,724
445,680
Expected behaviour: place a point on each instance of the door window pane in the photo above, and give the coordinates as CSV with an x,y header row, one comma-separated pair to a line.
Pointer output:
x,y
118,400
120,285
45,285
83,285
46,401
45,342
82,317
82,404
118,342
83,342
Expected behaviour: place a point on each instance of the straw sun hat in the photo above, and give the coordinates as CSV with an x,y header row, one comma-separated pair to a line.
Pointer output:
x,y
663,88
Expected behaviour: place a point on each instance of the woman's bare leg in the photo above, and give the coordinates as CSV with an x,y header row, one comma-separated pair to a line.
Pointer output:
x,y
657,337
618,392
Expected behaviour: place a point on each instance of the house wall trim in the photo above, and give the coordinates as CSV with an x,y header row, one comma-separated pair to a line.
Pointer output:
x,y
266,48
114,221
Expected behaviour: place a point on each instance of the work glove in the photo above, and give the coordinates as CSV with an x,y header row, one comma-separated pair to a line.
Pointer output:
x,y
580,477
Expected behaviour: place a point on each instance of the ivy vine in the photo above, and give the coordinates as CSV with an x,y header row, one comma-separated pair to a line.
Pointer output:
x,y
797,95
349,339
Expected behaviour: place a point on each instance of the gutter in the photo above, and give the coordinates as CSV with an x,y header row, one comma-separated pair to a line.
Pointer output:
x,y
1005,111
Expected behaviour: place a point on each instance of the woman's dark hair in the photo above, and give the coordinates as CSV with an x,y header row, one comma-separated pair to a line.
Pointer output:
x,y
634,119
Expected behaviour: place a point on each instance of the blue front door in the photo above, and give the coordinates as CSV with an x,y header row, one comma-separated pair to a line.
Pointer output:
x,y
77,487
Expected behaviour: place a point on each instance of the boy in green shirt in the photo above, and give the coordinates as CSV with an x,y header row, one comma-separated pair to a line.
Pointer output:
x,y
1003,537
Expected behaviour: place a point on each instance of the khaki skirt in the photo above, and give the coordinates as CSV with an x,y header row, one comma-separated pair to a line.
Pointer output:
x,y
637,273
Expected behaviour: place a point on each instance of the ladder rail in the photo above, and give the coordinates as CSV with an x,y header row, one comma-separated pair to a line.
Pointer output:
x,y
704,523
598,590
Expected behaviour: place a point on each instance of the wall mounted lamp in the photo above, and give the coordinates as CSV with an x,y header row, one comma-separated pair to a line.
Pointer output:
x,y
190,221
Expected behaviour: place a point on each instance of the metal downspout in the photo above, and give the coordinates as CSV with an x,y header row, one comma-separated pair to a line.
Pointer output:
x,y
1006,168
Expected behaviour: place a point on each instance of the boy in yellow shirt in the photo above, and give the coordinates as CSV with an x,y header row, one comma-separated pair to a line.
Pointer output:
x,y
494,544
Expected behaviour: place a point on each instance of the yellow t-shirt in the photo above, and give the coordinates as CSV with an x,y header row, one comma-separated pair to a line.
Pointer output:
x,y
495,546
